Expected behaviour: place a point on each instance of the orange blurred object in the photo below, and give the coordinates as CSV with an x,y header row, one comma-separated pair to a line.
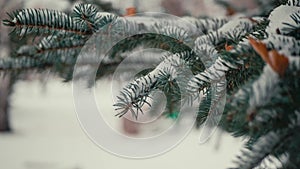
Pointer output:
x,y
228,47
260,48
230,11
278,62
131,11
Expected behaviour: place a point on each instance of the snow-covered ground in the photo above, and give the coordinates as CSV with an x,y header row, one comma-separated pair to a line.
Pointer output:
x,y
47,135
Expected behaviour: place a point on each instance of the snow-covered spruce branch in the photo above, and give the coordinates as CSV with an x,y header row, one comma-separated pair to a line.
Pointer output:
x,y
267,106
217,100
207,43
262,151
286,44
293,29
135,94
177,33
220,66
256,94
45,21
275,149
257,107
21,64
230,65
211,75
52,51
54,47
207,25
86,16
233,30
294,3
287,24
206,53
217,68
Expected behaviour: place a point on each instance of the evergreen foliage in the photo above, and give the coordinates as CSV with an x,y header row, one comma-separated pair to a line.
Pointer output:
x,y
256,58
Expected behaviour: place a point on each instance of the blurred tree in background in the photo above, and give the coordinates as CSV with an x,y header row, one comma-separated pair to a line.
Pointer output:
x,y
8,44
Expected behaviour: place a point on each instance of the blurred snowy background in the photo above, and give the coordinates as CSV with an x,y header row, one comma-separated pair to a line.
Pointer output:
x,y
47,135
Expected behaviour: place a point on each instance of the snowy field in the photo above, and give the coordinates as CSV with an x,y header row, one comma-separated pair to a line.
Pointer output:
x,y
47,135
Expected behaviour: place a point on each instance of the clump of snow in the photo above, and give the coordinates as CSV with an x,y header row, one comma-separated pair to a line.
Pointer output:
x,y
281,16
